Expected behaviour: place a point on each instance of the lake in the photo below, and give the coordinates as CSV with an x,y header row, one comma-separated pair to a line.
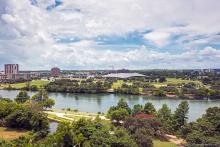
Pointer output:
x,y
102,102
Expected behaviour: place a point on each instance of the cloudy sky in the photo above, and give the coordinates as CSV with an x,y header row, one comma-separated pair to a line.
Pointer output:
x,y
98,34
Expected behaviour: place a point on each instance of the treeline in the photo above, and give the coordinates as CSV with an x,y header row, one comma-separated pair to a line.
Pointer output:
x,y
152,124
25,113
129,127
74,86
28,116
184,90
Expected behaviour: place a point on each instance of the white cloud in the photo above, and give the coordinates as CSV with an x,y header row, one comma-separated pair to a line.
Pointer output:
x,y
27,32
210,51
159,38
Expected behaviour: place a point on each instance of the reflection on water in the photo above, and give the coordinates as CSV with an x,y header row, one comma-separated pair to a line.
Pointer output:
x,y
53,126
102,102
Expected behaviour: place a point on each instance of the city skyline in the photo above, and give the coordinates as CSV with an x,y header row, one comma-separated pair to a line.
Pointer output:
x,y
91,34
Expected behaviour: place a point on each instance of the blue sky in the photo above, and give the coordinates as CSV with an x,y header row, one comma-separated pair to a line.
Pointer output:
x,y
94,34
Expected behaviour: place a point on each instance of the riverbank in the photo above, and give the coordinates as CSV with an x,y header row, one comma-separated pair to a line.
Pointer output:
x,y
171,88
65,115
94,103
69,116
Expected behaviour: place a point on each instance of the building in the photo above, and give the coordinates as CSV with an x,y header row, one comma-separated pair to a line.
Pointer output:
x,y
3,77
55,72
123,75
11,70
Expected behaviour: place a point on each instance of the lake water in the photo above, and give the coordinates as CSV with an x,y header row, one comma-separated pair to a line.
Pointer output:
x,y
102,102
53,127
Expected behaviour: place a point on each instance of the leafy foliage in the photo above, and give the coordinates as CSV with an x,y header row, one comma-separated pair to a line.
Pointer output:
x,y
22,97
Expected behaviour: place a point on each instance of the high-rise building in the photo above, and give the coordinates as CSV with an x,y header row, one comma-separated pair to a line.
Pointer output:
x,y
11,70
55,72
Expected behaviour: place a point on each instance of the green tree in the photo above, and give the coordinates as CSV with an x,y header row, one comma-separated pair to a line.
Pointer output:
x,y
137,109
22,97
43,99
122,139
64,135
213,116
119,114
49,103
124,105
26,117
142,138
180,115
165,116
149,108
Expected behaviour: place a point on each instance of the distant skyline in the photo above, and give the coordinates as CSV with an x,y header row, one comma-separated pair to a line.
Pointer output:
x,y
95,34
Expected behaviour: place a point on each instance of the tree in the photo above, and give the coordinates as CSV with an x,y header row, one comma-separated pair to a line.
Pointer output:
x,y
43,99
180,115
64,135
119,114
124,105
165,115
137,109
205,130
162,79
213,115
122,139
149,108
142,138
26,117
22,97
159,93
28,84
49,103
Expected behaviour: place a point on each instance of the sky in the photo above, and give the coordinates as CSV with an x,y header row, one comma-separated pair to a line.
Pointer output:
x,y
101,34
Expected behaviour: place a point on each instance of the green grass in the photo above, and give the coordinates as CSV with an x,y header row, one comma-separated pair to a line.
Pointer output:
x,y
76,117
175,81
158,143
117,84
56,118
38,83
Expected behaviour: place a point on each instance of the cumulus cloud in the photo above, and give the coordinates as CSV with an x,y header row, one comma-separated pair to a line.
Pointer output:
x,y
159,38
31,34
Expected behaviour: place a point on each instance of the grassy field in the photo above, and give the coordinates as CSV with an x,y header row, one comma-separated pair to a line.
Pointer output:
x,y
119,83
38,83
158,143
10,134
175,81
56,118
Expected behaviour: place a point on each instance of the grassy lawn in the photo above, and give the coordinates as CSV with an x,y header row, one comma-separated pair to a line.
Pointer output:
x,y
38,83
175,81
158,143
56,118
117,84
10,134
76,117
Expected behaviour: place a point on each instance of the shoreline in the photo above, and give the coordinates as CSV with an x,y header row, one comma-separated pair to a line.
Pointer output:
x,y
141,94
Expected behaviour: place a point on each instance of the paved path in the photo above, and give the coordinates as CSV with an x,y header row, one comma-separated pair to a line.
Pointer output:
x,y
178,141
65,115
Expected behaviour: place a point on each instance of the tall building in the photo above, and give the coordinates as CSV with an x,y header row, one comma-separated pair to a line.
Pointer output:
x,y
11,70
55,72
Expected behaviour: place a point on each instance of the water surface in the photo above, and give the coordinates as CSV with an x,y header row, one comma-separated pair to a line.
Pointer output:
x,y
102,102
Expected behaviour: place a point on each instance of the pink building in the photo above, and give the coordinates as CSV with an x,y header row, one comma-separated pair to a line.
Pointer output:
x,y
55,72
11,70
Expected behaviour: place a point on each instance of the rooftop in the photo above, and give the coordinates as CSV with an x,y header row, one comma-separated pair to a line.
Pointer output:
x,y
123,75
